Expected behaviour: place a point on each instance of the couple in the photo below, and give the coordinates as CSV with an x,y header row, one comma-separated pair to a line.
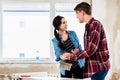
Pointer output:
x,y
93,61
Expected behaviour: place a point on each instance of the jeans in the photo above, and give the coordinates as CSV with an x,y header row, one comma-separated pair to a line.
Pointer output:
x,y
99,75
75,72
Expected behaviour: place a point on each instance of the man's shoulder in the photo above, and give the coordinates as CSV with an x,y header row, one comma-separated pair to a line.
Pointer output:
x,y
95,21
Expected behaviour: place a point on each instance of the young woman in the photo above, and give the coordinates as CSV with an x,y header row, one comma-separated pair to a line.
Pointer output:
x,y
66,42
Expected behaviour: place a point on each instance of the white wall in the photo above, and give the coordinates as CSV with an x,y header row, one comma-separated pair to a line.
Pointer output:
x,y
0,29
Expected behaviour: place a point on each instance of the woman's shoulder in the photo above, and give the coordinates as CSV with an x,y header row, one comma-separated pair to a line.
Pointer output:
x,y
71,32
54,40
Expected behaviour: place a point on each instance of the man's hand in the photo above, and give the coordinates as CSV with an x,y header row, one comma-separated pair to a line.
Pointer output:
x,y
75,50
67,56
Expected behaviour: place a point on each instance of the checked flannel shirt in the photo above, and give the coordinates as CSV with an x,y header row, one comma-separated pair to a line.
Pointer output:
x,y
95,51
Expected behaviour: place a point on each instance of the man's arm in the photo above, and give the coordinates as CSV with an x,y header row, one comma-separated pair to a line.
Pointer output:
x,y
93,42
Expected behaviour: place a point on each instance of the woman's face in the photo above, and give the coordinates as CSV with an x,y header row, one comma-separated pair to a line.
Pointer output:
x,y
63,26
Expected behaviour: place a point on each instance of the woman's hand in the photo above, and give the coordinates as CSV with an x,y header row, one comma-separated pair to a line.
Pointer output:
x,y
62,57
65,56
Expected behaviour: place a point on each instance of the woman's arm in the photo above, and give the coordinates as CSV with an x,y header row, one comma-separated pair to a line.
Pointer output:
x,y
77,40
57,49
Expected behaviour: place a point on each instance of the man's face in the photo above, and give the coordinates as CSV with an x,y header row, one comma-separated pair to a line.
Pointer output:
x,y
80,16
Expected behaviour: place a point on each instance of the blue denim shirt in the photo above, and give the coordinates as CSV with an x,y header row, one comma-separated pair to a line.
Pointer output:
x,y
58,51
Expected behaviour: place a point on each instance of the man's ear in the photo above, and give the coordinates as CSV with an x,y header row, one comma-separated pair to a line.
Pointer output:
x,y
82,12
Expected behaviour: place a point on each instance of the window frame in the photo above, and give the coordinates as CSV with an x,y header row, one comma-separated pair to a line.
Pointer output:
x,y
52,15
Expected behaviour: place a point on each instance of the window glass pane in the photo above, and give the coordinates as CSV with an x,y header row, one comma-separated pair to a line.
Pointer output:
x,y
72,21
26,32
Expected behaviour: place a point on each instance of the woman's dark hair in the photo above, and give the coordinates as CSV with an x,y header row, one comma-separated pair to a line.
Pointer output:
x,y
56,24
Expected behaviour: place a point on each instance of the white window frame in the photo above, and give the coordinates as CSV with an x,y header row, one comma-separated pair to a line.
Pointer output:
x,y
52,15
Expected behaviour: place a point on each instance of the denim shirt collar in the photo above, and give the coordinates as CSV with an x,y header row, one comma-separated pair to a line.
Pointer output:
x,y
61,37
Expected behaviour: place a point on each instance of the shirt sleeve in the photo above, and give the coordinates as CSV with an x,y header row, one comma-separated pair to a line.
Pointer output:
x,y
80,61
93,39
57,50
75,36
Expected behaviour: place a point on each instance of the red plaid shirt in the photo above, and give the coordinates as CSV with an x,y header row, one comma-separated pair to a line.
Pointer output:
x,y
96,52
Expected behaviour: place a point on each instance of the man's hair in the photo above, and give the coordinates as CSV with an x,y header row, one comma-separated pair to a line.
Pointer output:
x,y
83,6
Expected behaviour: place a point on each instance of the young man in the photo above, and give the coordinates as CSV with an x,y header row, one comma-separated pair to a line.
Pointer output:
x,y
96,51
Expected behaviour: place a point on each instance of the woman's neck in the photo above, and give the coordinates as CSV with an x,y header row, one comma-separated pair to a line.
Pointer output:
x,y
62,32
64,35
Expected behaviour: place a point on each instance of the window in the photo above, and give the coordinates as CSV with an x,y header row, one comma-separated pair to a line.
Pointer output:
x,y
67,10
27,24
25,27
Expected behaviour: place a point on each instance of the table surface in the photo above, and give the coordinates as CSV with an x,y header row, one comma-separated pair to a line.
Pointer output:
x,y
47,78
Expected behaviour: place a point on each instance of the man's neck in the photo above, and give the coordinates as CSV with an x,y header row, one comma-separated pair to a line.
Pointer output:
x,y
88,18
